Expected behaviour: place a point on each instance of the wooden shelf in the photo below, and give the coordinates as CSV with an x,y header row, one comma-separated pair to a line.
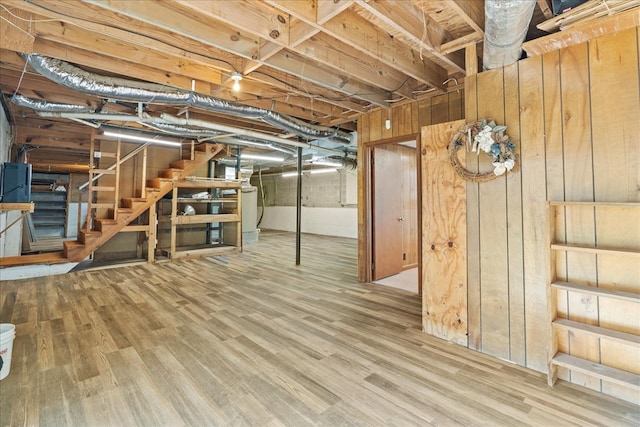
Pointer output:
x,y
594,250
615,332
228,217
25,207
597,204
597,331
600,292
597,370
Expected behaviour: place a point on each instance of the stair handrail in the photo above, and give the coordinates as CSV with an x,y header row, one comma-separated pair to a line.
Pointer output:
x,y
113,166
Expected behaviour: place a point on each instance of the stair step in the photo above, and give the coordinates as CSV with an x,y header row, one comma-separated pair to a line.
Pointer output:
x,y
158,182
44,258
181,164
73,250
84,236
130,201
101,223
102,205
120,211
170,173
597,370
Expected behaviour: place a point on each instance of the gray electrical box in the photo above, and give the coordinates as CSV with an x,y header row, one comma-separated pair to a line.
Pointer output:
x,y
15,185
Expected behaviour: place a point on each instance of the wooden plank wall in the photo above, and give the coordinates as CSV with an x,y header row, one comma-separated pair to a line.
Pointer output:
x,y
406,121
575,117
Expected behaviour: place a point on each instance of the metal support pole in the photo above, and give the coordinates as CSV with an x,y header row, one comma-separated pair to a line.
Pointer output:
x,y
299,206
238,163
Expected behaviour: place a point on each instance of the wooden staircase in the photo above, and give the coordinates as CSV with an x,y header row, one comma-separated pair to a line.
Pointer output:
x,y
131,208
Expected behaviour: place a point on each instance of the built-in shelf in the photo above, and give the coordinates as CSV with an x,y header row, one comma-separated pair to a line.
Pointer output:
x,y
222,216
597,370
594,249
597,204
600,292
597,331
577,328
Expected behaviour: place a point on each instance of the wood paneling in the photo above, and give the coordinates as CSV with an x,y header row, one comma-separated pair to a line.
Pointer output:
x,y
406,121
444,303
574,115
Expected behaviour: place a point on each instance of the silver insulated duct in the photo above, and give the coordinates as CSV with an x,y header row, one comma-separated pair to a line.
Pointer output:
x,y
506,25
122,89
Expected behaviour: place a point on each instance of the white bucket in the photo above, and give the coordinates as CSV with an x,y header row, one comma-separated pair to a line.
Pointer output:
x,y
7,334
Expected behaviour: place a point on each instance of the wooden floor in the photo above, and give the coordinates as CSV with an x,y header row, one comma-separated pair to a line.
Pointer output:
x,y
251,339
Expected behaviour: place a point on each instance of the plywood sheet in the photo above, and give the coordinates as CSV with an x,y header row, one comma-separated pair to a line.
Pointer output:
x,y
444,238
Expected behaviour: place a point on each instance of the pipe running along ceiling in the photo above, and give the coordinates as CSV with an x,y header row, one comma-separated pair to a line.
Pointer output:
x,y
121,89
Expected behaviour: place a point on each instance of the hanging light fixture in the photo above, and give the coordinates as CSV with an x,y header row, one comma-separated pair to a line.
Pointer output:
x,y
236,77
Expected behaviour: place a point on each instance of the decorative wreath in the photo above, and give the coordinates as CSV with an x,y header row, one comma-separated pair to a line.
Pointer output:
x,y
490,138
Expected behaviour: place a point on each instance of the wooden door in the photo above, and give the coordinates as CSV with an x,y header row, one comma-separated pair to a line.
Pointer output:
x,y
387,213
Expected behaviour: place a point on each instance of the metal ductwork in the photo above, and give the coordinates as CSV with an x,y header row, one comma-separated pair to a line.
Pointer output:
x,y
171,125
122,89
41,105
506,25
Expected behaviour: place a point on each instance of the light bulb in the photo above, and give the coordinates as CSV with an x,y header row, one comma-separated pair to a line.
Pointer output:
x,y
236,77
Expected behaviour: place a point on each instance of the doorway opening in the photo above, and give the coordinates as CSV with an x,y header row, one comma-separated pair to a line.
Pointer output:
x,y
395,216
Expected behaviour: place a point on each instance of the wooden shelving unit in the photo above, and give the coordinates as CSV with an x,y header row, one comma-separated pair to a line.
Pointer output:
x,y
228,214
605,335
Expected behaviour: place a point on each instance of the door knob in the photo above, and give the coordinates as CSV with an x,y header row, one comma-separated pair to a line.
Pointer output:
x,y
400,218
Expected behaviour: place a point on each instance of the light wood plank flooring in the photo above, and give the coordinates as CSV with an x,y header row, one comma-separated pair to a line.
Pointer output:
x,y
251,339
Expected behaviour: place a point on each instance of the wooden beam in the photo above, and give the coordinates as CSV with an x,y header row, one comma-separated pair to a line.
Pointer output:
x,y
581,33
358,33
472,11
71,35
165,15
342,59
545,8
471,60
14,34
401,17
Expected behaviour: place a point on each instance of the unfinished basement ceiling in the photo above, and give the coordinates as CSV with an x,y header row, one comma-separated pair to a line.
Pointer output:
x,y
322,62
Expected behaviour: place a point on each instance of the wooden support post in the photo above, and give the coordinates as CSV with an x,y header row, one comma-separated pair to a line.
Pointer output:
x,y
143,191
116,184
152,235
471,60
90,186
174,220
